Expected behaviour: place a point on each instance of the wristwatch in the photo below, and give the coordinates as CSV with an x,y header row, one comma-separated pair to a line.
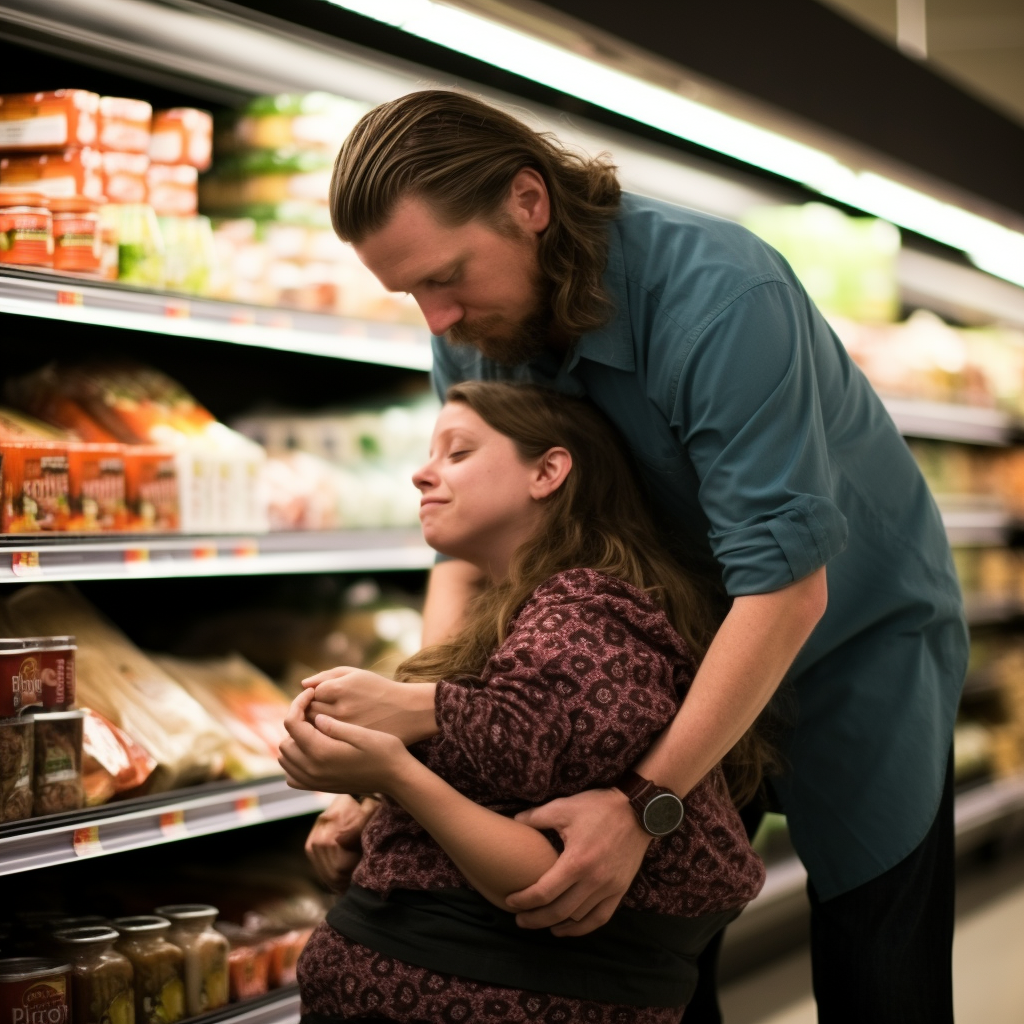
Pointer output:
x,y
659,810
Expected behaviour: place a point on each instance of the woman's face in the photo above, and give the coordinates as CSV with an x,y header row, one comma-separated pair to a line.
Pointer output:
x,y
479,499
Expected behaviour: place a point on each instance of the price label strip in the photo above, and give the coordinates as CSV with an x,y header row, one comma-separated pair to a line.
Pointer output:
x,y
86,841
26,563
248,810
172,824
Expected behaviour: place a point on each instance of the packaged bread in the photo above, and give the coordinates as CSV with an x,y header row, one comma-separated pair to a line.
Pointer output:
x,y
124,124
112,762
116,679
68,172
47,121
182,135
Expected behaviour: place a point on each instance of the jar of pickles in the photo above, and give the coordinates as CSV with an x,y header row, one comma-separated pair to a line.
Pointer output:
x,y
158,966
102,980
206,955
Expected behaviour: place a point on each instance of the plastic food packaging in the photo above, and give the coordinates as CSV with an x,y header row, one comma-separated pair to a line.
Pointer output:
x,y
116,679
102,980
70,172
26,230
58,762
140,246
33,989
124,176
173,189
158,965
124,124
248,961
37,671
76,233
112,762
315,120
182,135
190,253
16,757
48,120
206,955
285,948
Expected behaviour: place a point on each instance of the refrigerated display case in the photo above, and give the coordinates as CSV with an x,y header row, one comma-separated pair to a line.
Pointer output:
x,y
238,354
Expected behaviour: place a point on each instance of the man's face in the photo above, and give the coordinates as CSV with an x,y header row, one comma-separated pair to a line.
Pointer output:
x,y
476,283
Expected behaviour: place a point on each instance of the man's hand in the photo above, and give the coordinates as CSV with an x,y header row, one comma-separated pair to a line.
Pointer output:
x,y
337,757
604,846
355,695
334,844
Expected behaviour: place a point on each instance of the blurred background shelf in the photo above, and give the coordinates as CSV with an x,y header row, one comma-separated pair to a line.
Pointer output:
x,y
943,421
149,821
278,1007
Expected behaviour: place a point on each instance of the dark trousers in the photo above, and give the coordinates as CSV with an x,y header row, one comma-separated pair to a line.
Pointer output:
x,y
880,953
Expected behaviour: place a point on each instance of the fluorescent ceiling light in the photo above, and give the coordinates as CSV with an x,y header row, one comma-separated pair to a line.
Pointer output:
x,y
992,247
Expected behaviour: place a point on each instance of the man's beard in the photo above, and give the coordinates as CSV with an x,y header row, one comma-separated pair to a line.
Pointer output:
x,y
509,343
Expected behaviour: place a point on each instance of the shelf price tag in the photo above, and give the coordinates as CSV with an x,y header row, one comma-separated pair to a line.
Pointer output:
x,y
69,297
202,551
246,549
248,810
132,556
172,824
178,310
25,563
86,841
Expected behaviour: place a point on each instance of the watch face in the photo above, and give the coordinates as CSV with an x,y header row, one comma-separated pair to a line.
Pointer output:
x,y
663,814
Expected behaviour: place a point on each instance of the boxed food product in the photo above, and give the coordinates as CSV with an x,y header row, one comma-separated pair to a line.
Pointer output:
x,y
96,476
36,490
151,489
16,759
48,120
182,135
68,172
124,176
57,776
173,189
314,120
124,124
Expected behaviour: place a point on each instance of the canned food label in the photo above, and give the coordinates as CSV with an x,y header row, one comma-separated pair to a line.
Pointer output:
x,y
35,131
45,1002
27,683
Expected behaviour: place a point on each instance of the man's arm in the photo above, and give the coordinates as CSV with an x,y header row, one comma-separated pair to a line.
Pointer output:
x,y
451,586
753,650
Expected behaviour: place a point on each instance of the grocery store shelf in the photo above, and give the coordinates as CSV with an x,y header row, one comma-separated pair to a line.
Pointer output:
x,y
990,611
278,1007
24,558
84,301
947,422
968,526
131,825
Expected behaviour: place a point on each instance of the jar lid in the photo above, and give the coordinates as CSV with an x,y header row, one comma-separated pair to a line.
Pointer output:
x,y
8,644
80,921
187,911
141,924
22,199
22,968
73,204
89,935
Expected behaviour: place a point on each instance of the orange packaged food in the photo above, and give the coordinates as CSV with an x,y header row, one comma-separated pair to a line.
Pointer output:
x,y
112,762
34,480
124,176
26,229
173,189
76,233
96,487
124,124
151,479
46,121
182,135
70,172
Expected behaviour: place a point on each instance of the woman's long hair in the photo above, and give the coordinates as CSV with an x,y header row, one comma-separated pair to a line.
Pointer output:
x,y
461,155
598,519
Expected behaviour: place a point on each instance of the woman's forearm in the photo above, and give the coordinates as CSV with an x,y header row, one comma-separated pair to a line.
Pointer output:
x,y
497,855
747,660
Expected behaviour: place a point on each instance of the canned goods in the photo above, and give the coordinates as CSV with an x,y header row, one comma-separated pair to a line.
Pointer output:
x,y
17,744
36,671
34,991
76,233
57,779
26,229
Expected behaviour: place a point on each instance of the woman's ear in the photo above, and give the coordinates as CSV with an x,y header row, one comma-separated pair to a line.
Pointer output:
x,y
552,469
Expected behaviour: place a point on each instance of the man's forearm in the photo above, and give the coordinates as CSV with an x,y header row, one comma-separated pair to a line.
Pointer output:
x,y
450,588
747,660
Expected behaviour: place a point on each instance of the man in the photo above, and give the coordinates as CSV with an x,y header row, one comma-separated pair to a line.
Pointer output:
x,y
773,468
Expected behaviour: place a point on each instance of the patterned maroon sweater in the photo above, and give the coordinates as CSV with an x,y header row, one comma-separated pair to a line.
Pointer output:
x,y
591,672
589,675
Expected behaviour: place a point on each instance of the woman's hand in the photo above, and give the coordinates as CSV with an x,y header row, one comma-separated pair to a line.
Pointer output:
x,y
355,695
334,844
337,757
604,846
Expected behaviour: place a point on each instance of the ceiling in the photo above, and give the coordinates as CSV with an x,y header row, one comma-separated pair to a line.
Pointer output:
x,y
979,44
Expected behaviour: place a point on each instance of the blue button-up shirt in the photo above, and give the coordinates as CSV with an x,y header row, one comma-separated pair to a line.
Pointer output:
x,y
768,455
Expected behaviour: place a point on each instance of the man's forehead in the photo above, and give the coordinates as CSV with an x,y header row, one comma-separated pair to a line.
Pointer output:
x,y
412,245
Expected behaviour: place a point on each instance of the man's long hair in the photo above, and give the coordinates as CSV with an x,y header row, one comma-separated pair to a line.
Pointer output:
x,y
461,155
598,519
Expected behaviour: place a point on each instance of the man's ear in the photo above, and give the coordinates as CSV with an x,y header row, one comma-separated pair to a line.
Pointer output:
x,y
552,469
529,202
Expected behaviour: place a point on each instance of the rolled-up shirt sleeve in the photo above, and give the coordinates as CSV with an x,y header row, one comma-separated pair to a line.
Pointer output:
x,y
748,410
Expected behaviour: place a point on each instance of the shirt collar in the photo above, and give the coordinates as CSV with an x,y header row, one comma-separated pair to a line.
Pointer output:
x,y
611,344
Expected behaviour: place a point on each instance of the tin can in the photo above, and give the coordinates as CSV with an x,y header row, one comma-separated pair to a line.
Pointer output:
x,y
57,778
26,229
36,671
17,745
34,991
76,233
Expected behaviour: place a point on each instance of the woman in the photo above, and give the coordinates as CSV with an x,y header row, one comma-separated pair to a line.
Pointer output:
x,y
570,663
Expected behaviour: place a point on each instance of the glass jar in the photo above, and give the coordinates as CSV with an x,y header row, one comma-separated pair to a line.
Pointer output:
x,y
26,229
76,233
206,955
158,965
102,980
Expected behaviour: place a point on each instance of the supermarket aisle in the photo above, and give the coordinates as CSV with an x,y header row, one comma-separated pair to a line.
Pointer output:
x,y
987,958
